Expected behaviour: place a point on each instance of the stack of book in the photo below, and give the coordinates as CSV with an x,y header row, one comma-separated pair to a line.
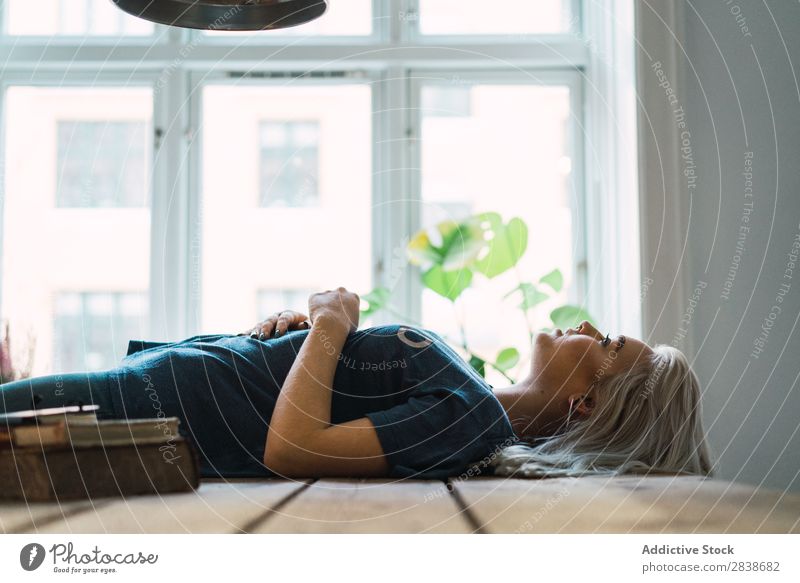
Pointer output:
x,y
67,453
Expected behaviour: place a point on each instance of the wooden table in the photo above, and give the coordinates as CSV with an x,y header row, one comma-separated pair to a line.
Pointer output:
x,y
628,504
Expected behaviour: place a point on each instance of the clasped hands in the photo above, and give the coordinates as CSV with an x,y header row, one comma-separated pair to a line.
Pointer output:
x,y
338,307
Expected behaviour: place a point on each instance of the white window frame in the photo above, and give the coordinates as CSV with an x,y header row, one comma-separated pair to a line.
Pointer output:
x,y
159,279
186,58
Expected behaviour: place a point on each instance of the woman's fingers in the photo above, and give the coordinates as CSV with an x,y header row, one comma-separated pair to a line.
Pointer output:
x,y
267,328
283,323
278,324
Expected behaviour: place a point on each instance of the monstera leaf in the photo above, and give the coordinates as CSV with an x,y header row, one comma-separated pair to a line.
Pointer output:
x,y
506,244
554,279
507,358
448,284
376,300
450,245
531,296
478,364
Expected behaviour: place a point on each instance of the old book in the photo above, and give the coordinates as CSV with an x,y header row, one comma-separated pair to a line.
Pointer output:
x,y
49,415
83,431
65,473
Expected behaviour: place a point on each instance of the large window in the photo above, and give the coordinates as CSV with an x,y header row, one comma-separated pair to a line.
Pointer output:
x,y
101,163
162,182
76,216
288,206
270,301
92,329
289,163
464,172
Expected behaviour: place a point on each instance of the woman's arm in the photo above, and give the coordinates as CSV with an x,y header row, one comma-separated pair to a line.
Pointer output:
x,y
301,441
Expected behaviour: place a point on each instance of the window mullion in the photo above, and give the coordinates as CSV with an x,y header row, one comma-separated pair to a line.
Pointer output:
x,y
391,208
170,253
412,156
192,144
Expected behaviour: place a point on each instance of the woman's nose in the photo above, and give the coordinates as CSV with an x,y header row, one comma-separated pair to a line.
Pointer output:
x,y
586,328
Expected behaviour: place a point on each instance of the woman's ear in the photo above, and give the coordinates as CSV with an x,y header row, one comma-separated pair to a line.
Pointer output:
x,y
581,404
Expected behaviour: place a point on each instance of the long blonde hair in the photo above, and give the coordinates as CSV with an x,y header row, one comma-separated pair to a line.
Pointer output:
x,y
646,419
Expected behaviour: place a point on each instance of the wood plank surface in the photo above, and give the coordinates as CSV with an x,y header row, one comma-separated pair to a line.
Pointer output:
x,y
666,504
500,505
18,517
370,506
213,508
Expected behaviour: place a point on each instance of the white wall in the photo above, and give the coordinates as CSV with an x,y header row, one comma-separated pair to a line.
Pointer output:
x,y
737,79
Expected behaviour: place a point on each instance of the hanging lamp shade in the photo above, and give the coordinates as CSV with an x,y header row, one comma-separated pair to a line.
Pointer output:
x,y
226,14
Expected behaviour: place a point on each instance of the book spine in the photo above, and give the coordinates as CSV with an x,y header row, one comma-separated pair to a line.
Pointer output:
x,y
65,474
38,435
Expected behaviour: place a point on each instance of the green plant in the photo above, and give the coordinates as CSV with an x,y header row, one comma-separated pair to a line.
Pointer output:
x,y
453,253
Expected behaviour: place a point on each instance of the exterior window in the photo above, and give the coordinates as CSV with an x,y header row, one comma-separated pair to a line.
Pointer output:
x,y
255,168
275,300
495,152
75,216
272,204
92,329
101,164
447,101
289,163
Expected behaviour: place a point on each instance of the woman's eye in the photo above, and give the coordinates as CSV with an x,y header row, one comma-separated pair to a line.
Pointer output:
x,y
604,342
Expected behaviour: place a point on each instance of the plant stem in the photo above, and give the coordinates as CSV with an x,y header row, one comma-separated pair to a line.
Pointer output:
x,y
525,310
461,328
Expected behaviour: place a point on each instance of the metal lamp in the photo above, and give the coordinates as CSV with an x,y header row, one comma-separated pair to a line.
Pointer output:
x,y
226,14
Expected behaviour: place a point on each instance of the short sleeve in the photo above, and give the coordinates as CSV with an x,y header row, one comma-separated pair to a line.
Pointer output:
x,y
437,433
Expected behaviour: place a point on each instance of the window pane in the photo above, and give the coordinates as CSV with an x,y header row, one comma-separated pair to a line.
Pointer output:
x,y
72,18
503,156
289,163
92,329
495,17
343,18
275,300
102,163
75,275
287,211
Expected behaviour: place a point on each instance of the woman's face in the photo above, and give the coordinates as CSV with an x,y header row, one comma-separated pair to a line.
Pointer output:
x,y
566,364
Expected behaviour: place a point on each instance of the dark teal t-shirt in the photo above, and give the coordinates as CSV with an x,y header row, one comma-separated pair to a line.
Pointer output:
x,y
434,415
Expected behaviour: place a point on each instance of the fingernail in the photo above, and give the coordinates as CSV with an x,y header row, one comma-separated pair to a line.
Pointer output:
x,y
253,335
261,336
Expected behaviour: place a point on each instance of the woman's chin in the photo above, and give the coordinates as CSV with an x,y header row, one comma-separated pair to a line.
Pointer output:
x,y
544,337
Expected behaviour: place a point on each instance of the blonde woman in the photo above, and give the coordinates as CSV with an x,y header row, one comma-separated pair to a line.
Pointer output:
x,y
593,404
314,396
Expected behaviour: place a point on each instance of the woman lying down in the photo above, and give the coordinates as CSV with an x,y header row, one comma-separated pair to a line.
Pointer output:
x,y
313,396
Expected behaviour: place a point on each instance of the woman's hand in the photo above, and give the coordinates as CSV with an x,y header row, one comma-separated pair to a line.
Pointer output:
x,y
338,306
278,323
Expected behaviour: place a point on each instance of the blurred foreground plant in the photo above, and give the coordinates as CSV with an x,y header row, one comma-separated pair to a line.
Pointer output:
x,y
453,253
